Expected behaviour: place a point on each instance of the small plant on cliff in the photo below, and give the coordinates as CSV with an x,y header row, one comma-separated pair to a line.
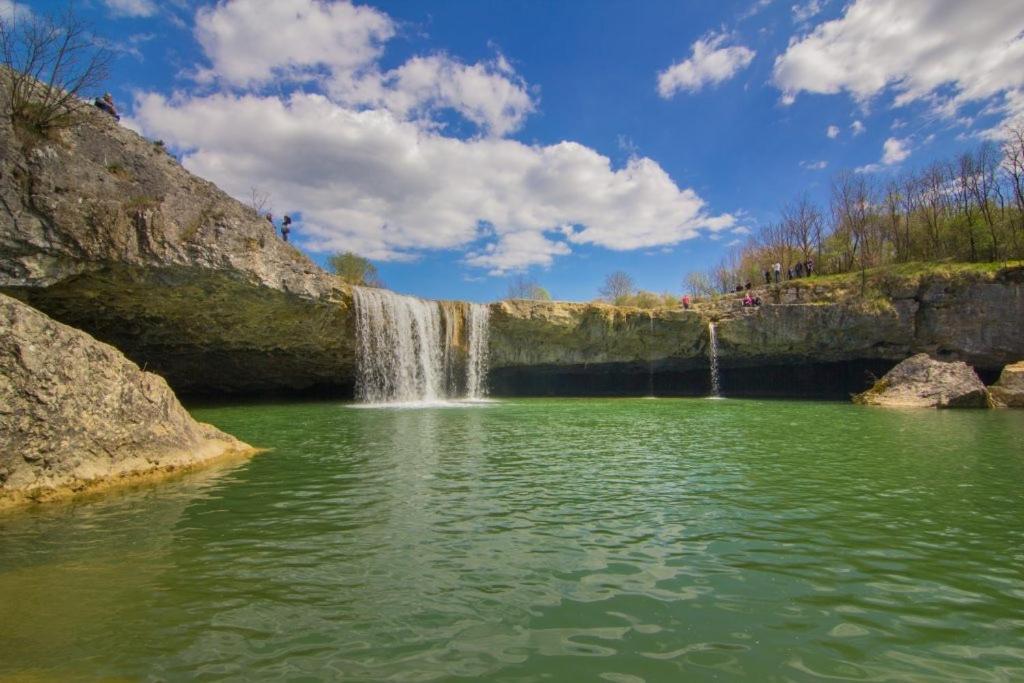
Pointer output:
x,y
355,270
46,63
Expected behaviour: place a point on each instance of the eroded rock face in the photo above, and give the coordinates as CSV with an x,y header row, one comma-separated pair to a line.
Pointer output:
x,y
921,382
103,230
75,414
1009,390
534,333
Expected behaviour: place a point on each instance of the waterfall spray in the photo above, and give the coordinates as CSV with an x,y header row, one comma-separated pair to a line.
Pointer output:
x,y
716,391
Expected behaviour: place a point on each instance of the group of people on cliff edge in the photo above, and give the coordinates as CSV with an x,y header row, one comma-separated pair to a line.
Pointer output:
x,y
800,269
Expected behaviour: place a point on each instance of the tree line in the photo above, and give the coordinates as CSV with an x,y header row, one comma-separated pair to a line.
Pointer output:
x,y
967,208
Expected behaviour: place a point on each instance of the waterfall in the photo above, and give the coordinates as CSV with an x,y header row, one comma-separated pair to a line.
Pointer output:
x,y
477,353
412,350
713,357
650,361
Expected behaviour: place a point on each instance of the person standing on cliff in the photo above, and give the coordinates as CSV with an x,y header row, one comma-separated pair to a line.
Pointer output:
x,y
286,227
767,277
106,103
778,271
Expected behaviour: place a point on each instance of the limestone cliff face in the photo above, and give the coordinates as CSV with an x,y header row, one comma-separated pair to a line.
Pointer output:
x,y
977,319
532,333
105,231
76,414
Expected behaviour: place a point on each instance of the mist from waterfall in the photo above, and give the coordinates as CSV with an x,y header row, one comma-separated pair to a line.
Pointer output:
x,y
414,351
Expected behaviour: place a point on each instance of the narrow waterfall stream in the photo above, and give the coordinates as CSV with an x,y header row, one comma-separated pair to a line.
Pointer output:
x,y
716,390
479,318
412,350
650,360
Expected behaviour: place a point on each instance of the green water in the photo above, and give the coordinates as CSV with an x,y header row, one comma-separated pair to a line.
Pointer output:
x,y
543,540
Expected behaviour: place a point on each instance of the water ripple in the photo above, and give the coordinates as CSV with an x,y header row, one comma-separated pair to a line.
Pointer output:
x,y
618,540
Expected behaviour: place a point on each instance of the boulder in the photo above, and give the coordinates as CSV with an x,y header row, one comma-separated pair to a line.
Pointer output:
x,y
921,382
1009,390
75,414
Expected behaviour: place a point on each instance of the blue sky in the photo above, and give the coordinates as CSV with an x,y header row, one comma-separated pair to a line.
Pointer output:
x,y
460,143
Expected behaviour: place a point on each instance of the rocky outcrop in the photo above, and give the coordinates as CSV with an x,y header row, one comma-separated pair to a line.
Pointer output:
x,y
1009,390
76,415
921,382
105,231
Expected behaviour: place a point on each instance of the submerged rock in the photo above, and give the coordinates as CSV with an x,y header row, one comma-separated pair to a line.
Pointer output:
x,y
75,414
1009,390
922,382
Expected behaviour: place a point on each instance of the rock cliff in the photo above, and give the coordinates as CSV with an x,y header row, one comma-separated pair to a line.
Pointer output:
x,y
75,414
104,231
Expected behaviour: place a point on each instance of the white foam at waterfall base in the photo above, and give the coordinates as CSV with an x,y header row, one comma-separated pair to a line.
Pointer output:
x,y
405,347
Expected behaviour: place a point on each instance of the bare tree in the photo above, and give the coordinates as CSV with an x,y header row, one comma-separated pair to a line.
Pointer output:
x,y
522,287
801,227
961,176
984,187
48,62
259,200
853,219
1013,169
616,285
935,204
699,284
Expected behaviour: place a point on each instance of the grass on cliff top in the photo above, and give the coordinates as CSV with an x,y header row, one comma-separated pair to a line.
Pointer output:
x,y
914,272
882,281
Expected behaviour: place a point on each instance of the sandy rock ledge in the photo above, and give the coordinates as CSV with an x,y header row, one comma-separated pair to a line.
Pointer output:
x,y
1008,392
921,382
76,415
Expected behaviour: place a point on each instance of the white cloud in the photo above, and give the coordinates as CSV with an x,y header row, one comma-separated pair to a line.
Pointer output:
x,y
9,10
894,150
336,45
374,183
857,127
754,9
488,94
832,132
131,8
947,52
806,11
517,251
814,165
252,42
710,63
